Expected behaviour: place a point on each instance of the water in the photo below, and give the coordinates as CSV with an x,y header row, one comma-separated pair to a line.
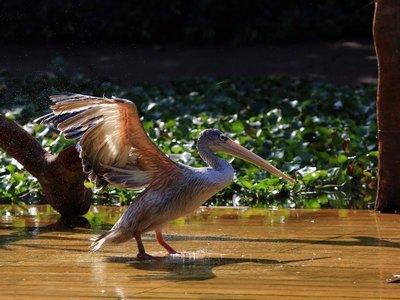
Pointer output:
x,y
227,253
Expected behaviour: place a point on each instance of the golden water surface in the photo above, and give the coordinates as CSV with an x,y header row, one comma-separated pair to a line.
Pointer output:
x,y
227,254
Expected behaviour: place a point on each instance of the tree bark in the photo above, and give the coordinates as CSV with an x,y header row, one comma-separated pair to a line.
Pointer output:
x,y
60,176
386,30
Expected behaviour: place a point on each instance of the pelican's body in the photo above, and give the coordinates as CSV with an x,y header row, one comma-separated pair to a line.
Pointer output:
x,y
116,150
181,195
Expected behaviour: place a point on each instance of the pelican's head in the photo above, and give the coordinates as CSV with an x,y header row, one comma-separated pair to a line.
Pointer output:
x,y
219,142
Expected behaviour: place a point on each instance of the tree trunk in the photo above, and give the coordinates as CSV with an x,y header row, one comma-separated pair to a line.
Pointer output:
x,y
386,29
60,176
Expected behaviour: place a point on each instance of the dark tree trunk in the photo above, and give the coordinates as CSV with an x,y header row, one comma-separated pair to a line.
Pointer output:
x,y
386,31
60,176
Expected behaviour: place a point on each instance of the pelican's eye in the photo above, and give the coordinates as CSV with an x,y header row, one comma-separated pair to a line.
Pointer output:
x,y
223,137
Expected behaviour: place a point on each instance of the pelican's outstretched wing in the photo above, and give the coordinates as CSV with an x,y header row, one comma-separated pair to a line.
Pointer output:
x,y
111,140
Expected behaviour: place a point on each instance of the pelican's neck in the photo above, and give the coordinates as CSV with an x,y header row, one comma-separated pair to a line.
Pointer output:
x,y
218,174
211,159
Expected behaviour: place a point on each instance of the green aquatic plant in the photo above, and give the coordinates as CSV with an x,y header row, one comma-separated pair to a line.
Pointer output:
x,y
324,136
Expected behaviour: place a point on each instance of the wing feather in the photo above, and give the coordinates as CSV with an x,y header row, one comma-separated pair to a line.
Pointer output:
x,y
112,142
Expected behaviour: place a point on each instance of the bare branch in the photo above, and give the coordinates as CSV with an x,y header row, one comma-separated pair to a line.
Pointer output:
x,y
60,176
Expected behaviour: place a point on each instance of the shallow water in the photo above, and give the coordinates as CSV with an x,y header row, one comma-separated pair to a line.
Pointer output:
x,y
228,253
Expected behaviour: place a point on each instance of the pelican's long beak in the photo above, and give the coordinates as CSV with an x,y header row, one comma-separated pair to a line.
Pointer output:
x,y
234,149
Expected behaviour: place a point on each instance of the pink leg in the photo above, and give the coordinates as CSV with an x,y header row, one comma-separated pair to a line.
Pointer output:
x,y
142,253
160,240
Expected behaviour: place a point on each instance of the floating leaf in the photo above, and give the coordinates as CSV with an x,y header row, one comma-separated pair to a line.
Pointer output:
x,y
374,154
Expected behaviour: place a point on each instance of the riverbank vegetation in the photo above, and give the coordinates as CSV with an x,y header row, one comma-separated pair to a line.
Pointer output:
x,y
322,135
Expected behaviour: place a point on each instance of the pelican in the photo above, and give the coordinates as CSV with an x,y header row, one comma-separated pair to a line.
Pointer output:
x,y
116,150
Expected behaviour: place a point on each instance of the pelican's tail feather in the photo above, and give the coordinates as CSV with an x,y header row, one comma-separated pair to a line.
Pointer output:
x,y
114,236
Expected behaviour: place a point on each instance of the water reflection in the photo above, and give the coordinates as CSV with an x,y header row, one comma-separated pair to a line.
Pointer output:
x,y
63,224
24,224
68,224
187,268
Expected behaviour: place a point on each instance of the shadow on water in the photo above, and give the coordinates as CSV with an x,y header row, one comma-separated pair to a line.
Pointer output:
x,y
188,268
70,225
358,240
63,224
